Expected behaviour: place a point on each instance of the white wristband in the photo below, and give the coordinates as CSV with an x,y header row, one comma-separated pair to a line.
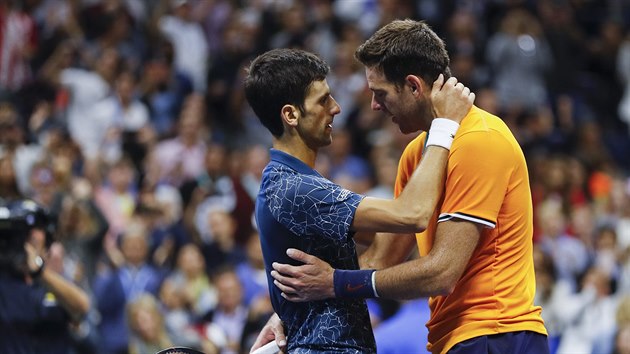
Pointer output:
x,y
442,132
374,284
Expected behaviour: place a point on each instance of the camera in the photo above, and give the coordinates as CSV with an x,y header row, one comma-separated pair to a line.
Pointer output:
x,y
17,219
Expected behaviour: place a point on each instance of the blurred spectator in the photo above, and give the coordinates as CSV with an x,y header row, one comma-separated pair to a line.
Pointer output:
x,y
81,228
217,228
117,197
591,314
346,168
253,279
188,39
225,76
606,255
569,254
346,81
123,123
163,88
18,43
622,338
623,72
230,314
180,159
251,272
246,186
13,146
519,53
177,319
85,88
213,180
8,182
463,41
114,290
189,276
146,324
551,294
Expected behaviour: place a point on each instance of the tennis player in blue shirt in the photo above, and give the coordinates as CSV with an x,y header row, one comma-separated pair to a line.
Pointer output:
x,y
298,208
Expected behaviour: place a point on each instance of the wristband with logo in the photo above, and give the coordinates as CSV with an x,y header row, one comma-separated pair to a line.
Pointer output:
x,y
354,284
442,132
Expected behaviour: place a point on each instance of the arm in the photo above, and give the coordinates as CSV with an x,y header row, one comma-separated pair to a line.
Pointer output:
x,y
408,213
387,250
434,274
72,298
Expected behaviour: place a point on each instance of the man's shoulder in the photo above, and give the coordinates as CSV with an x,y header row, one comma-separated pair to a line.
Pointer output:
x,y
482,128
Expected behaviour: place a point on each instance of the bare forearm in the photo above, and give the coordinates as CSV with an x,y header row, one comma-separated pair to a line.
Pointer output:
x,y
412,210
436,273
70,296
387,250
413,279
426,184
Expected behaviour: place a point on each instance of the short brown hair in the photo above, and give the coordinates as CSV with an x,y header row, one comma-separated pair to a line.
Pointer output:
x,y
405,47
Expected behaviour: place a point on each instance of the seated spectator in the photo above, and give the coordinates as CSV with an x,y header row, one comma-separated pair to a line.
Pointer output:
x,y
189,276
146,324
230,314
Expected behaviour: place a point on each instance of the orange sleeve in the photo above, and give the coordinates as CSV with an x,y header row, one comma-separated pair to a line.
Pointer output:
x,y
477,178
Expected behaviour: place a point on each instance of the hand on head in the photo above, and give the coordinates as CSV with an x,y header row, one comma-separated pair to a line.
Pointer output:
x,y
451,99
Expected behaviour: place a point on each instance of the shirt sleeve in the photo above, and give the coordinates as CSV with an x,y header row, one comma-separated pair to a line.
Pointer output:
x,y
478,176
310,205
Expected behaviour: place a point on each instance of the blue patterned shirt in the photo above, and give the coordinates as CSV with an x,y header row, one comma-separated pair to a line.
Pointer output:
x,y
298,208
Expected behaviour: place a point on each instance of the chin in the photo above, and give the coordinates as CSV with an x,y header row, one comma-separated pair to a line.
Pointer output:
x,y
408,130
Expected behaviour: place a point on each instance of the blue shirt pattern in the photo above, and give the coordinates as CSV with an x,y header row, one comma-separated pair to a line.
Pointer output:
x,y
298,208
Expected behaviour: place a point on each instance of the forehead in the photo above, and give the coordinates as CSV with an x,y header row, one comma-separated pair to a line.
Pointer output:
x,y
376,79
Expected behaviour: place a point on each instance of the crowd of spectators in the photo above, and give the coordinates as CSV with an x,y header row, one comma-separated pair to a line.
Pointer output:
x,y
127,119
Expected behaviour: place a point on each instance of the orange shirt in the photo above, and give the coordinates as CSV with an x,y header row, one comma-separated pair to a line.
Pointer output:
x,y
487,183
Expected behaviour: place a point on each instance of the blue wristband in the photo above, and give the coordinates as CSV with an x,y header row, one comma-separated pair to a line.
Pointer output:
x,y
353,284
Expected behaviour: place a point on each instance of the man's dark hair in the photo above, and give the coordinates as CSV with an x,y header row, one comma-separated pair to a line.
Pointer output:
x,y
279,77
405,47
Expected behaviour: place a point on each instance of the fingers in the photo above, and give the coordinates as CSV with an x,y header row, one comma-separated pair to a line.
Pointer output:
x,y
300,256
437,84
452,81
278,331
466,91
283,284
287,269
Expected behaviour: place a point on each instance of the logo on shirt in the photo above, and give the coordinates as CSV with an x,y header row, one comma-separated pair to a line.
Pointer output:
x,y
343,194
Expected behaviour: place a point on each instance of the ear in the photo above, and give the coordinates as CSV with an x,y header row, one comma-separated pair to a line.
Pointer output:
x,y
290,115
415,84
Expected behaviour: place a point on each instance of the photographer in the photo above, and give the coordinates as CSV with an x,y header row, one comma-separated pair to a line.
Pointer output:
x,y
37,305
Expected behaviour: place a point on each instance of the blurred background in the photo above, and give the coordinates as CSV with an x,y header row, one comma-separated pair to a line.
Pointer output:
x,y
127,118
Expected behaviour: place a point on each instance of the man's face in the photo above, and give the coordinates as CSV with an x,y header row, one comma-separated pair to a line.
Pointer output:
x,y
399,104
315,126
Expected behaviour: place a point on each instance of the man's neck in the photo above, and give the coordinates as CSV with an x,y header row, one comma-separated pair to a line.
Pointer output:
x,y
296,149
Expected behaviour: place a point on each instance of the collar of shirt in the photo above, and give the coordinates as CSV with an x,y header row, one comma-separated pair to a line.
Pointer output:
x,y
292,162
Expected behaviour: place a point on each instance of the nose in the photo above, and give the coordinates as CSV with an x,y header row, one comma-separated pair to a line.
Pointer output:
x,y
336,108
375,105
